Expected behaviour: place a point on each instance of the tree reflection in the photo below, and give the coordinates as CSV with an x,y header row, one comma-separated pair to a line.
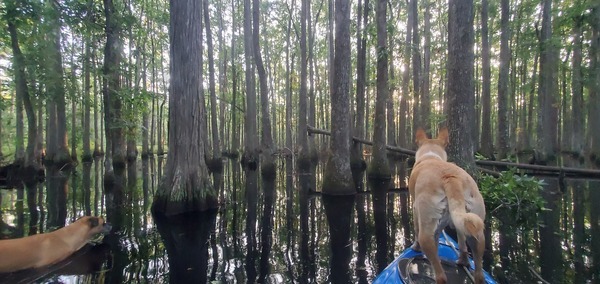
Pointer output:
x,y
338,210
186,239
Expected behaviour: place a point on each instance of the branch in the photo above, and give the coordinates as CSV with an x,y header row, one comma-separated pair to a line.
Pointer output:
x,y
560,171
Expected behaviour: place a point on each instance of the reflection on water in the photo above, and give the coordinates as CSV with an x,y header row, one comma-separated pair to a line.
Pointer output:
x,y
275,231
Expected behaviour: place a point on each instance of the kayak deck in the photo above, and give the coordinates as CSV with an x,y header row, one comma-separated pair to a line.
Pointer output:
x,y
411,267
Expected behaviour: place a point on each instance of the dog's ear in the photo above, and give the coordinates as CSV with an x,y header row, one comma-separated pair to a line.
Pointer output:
x,y
443,136
421,136
93,222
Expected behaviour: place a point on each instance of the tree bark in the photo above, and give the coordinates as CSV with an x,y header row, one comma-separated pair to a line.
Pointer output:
x,y
486,146
460,97
548,147
23,93
425,84
379,167
503,95
593,140
356,158
57,89
303,160
215,163
404,139
251,150
418,117
115,143
87,87
186,186
338,176
267,166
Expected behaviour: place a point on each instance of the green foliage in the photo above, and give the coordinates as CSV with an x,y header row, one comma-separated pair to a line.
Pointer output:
x,y
513,197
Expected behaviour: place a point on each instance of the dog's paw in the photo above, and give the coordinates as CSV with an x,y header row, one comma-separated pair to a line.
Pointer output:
x,y
463,259
416,247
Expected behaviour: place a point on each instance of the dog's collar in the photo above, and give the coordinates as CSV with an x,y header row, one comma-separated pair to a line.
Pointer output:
x,y
431,154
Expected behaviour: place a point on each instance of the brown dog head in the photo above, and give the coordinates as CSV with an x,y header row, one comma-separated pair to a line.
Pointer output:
x,y
432,148
95,225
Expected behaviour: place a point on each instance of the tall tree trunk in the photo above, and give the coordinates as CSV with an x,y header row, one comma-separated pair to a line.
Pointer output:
x,y
234,88
186,186
547,148
575,159
20,137
251,140
338,176
593,141
356,158
73,96
97,139
425,84
418,118
311,90
56,89
268,169
379,167
115,146
215,163
503,95
302,139
460,97
404,139
289,157
87,87
23,93
486,146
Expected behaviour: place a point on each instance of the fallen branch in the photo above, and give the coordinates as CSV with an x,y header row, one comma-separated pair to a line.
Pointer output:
x,y
559,171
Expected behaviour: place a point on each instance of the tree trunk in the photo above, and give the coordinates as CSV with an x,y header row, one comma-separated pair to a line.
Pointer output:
x,y
404,139
547,148
379,167
56,88
115,144
215,162
73,96
234,88
356,158
486,146
97,139
87,86
23,93
20,137
460,97
289,66
186,186
593,141
503,96
303,160
418,118
425,88
338,176
267,166
251,150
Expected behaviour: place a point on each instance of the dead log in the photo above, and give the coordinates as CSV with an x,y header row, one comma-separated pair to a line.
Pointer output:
x,y
535,169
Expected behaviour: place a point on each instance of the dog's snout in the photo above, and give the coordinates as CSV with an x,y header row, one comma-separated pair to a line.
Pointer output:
x,y
106,228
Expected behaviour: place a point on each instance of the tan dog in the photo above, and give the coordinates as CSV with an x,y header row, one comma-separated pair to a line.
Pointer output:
x,y
49,248
444,194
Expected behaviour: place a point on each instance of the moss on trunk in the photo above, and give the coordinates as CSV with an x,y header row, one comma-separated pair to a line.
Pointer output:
x,y
184,193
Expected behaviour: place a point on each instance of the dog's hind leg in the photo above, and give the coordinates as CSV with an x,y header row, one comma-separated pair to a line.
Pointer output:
x,y
430,248
463,258
415,246
477,245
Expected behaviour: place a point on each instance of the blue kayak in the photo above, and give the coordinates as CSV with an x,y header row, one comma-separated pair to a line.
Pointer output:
x,y
411,267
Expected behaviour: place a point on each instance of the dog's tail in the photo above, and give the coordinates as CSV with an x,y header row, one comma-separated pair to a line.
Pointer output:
x,y
469,224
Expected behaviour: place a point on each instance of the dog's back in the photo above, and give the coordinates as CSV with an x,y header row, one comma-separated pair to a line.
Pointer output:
x,y
444,194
